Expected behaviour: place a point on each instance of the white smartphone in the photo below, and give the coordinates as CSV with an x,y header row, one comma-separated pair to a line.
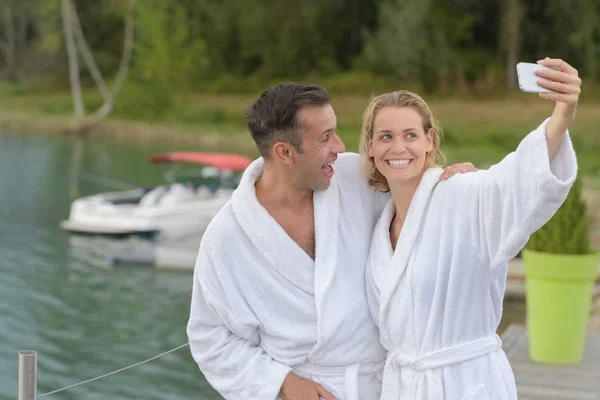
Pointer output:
x,y
528,79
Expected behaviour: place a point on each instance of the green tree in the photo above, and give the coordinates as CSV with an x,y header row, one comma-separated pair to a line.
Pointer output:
x,y
164,51
19,34
165,58
408,43
278,38
568,29
339,26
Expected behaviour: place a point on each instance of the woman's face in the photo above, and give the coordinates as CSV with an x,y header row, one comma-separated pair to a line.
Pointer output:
x,y
399,146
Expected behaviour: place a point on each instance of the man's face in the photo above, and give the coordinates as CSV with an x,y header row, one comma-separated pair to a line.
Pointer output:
x,y
321,144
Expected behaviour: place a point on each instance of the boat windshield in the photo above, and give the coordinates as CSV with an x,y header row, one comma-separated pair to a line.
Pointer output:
x,y
209,177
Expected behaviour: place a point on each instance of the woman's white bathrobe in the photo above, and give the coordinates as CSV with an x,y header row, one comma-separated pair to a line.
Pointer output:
x,y
438,298
261,307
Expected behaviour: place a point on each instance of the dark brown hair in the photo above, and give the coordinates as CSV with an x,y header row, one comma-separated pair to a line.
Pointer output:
x,y
273,116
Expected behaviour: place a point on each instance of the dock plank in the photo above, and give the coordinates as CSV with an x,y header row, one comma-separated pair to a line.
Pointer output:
x,y
536,381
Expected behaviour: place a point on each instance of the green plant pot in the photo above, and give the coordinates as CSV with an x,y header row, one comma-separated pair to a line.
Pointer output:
x,y
559,296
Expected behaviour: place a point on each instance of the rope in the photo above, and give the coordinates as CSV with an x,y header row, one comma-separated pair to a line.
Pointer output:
x,y
112,373
111,183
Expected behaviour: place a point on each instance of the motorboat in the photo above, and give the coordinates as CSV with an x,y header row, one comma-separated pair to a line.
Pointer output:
x,y
187,202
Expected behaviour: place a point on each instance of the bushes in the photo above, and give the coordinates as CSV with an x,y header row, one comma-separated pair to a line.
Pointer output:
x,y
567,231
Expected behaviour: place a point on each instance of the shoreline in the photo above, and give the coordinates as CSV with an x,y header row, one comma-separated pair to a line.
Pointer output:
x,y
120,130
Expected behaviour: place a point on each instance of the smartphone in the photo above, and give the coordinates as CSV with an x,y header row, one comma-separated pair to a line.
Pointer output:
x,y
528,79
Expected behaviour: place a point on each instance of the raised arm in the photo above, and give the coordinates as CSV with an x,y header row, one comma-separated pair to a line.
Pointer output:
x,y
566,82
522,192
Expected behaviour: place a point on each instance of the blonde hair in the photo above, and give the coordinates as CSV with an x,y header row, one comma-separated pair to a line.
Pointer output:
x,y
401,98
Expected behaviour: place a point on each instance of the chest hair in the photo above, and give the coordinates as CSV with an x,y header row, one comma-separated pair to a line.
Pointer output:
x,y
300,228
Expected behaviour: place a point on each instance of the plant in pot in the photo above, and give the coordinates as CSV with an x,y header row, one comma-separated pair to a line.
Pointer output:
x,y
561,270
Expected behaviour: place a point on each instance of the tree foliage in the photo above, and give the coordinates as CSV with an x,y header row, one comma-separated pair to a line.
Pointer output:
x,y
195,44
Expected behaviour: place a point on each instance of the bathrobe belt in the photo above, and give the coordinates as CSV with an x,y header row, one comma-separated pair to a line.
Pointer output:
x,y
349,372
427,363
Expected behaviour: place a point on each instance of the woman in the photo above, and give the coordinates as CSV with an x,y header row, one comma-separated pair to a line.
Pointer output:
x,y
439,256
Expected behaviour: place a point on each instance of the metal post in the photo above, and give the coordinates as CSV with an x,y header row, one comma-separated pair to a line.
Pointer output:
x,y
27,375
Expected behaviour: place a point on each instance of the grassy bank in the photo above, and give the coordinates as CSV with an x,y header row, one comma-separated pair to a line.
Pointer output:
x,y
480,131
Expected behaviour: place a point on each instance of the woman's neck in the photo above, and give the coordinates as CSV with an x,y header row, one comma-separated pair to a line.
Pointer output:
x,y
402,195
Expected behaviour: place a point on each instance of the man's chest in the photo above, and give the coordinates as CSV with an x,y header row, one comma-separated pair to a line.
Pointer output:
x,y
300,228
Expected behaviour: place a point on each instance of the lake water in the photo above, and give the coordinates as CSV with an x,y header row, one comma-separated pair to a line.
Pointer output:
x,y
61,297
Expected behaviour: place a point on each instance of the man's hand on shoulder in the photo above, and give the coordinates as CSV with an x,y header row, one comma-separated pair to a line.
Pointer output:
x,y
297,388
460,168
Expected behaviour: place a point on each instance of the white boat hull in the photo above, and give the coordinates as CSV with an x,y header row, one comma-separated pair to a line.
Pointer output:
x,y
172,212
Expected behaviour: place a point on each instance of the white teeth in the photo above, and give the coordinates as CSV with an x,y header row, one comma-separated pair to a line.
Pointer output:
x,y
398,163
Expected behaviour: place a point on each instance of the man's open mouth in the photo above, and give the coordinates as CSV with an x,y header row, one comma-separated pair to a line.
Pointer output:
x,y
327,170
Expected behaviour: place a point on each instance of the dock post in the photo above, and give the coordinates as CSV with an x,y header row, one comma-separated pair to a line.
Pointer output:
x,y
27,375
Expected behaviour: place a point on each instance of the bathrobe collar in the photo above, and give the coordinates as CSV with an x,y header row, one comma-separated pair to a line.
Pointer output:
x,y
275,245
406,241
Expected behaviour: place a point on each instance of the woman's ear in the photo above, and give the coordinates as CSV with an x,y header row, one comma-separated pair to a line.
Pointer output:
x,y
370,147
430,137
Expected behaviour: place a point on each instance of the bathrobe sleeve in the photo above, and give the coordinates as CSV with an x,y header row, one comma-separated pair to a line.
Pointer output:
x,y
225,348
520,194
355,189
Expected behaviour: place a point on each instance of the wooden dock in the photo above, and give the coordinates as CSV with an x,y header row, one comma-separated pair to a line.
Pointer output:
x,y
550,382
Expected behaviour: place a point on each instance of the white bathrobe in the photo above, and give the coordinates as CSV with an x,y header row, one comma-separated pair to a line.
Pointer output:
x,y
261,307
438,298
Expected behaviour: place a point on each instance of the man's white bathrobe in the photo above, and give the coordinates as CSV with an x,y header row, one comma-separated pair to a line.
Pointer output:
x,y
261,307
438,298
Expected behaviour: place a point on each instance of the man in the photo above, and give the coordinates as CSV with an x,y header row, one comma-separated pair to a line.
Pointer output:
x,y
279,308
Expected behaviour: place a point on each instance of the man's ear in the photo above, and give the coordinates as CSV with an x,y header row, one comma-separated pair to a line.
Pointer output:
x,y
283,152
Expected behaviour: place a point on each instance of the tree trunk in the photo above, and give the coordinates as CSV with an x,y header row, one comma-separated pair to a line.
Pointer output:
x,y
125,60
21,42
127,50
511,39
108,95
84,49
78,106
9,45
